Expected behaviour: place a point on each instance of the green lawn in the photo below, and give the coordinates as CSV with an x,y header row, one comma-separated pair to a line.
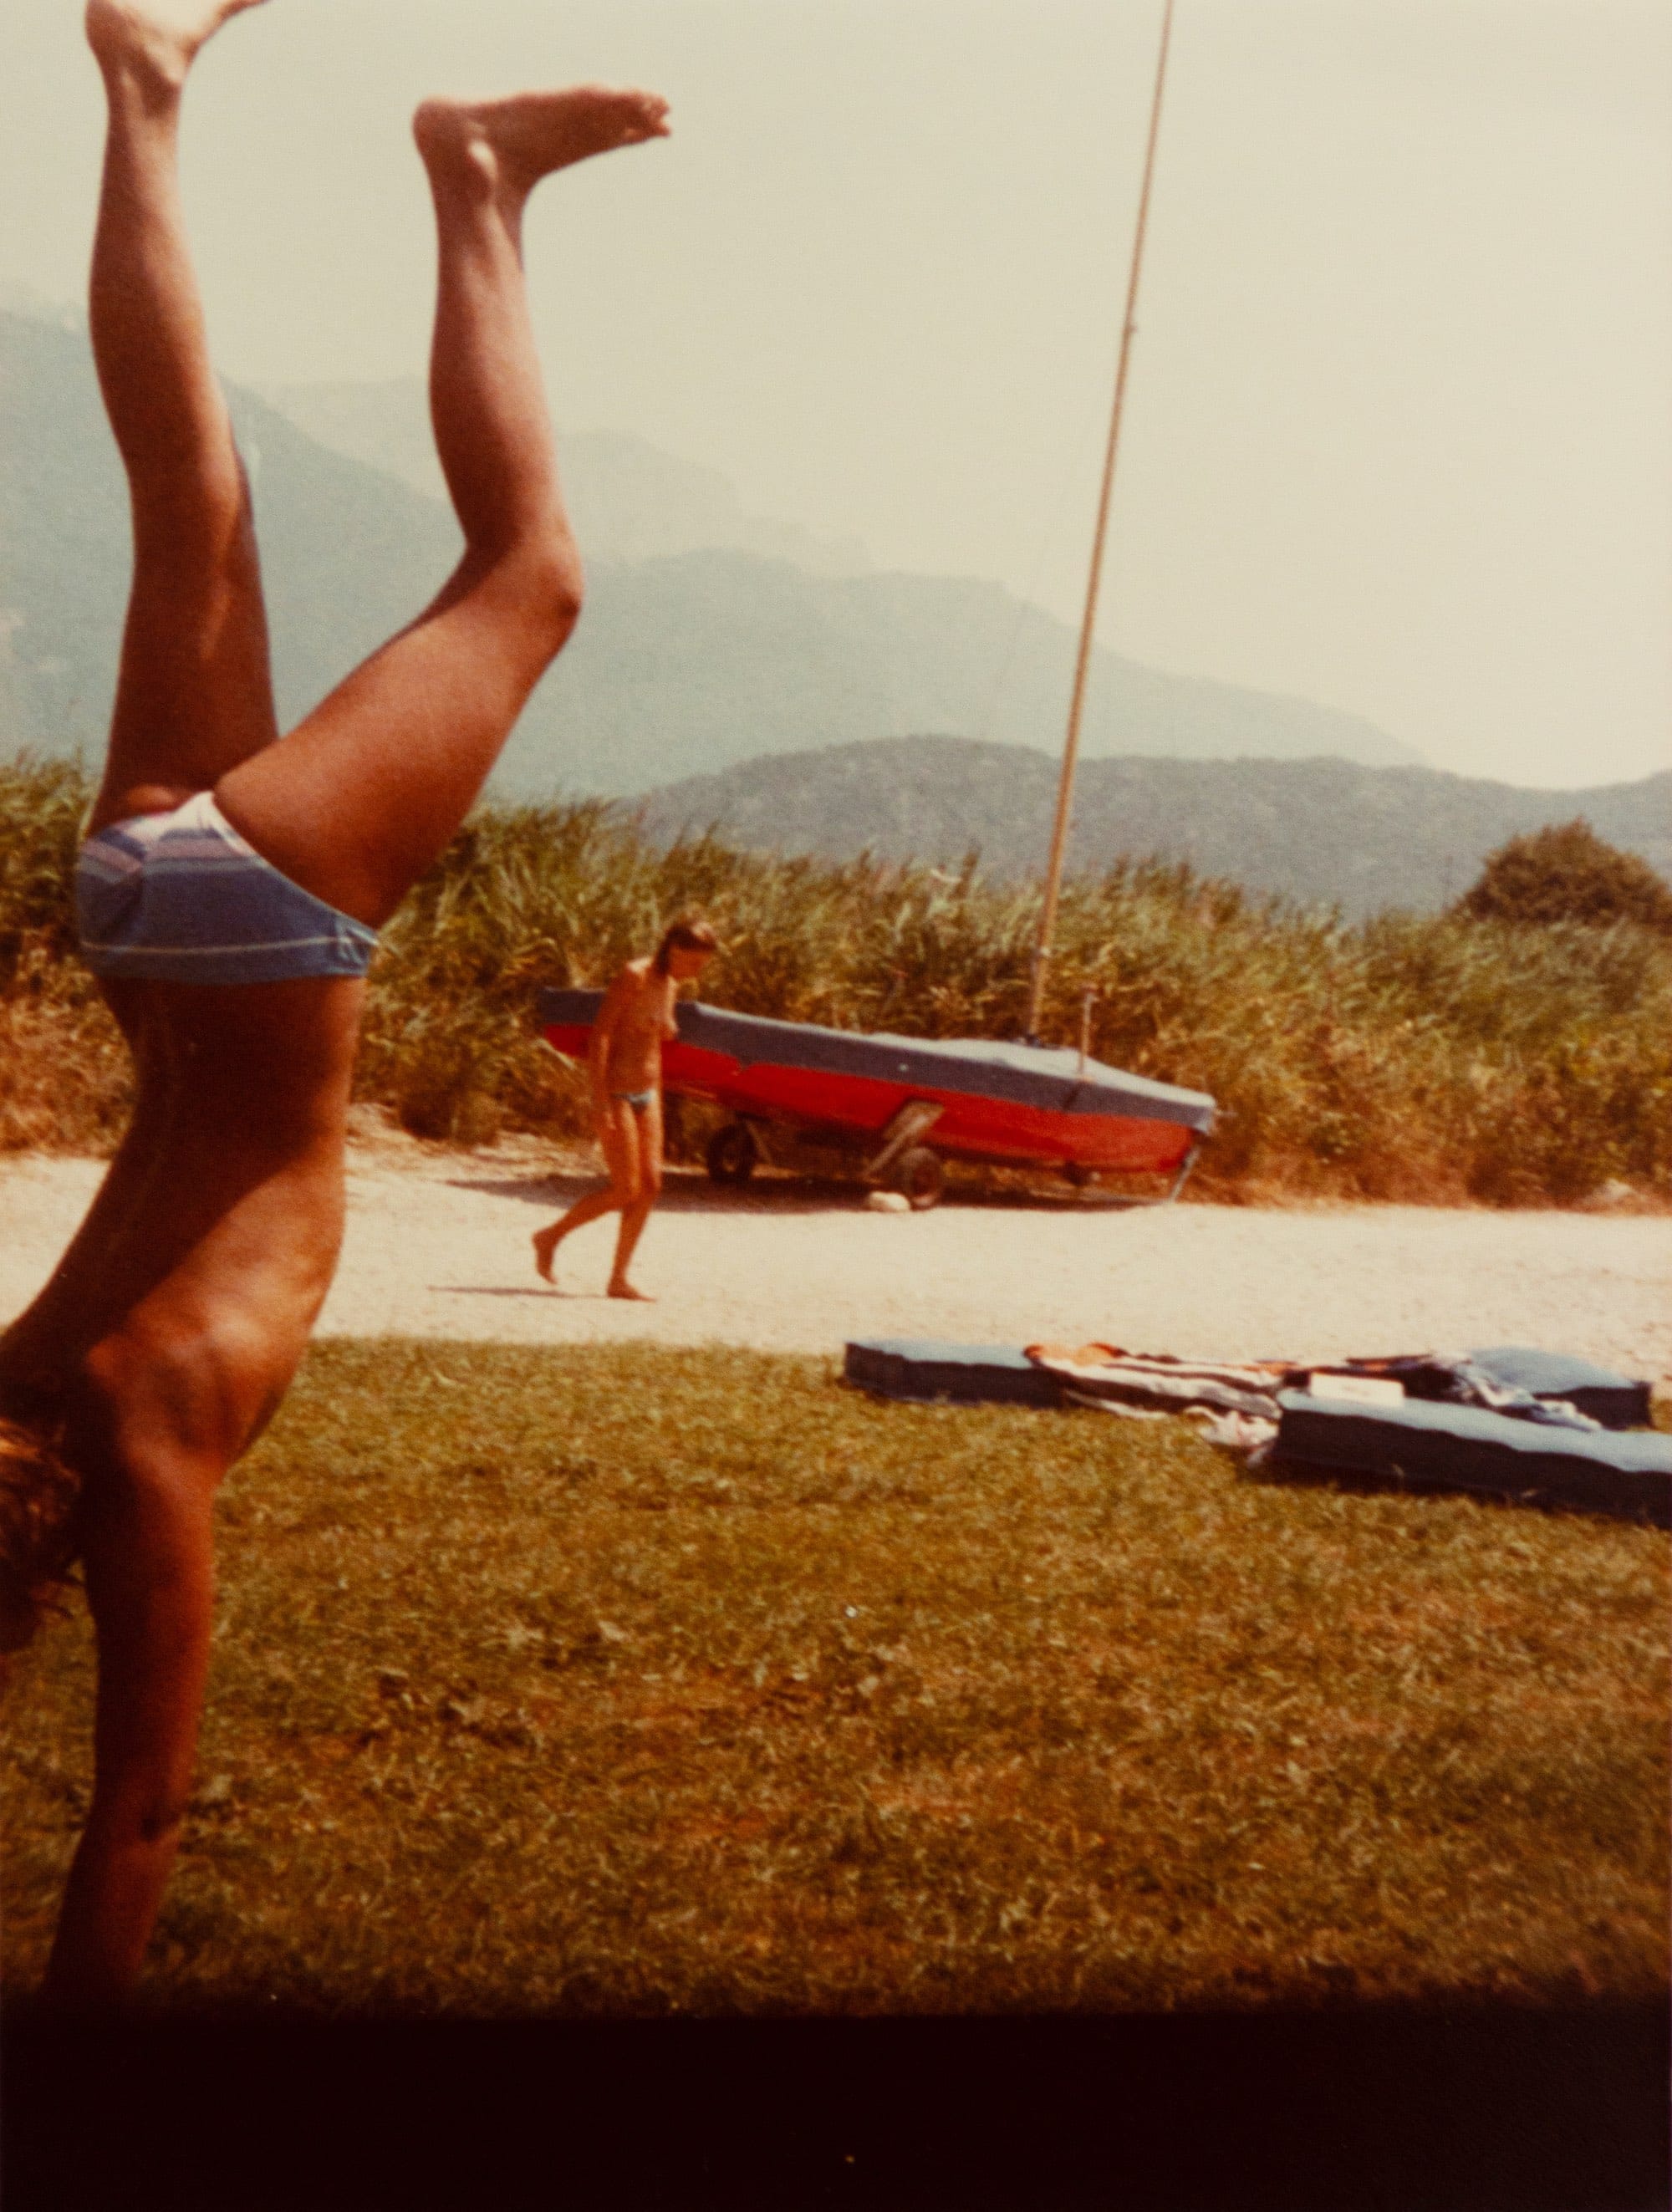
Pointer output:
x,y
620,1681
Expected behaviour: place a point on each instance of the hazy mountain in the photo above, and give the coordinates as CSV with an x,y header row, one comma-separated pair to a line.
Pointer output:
x,y
347,554
1329,830
683,666
745,660
627,499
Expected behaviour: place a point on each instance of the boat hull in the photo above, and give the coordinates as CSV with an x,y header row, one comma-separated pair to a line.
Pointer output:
x,y
994,1103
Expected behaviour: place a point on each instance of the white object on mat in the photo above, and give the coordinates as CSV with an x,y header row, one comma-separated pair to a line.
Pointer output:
x,y
1358,1390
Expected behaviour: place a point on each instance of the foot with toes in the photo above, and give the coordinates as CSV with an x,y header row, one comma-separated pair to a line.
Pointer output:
x,y
158,39
515,142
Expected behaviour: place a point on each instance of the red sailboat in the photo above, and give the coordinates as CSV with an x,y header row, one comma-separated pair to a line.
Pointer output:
x,y
905,1104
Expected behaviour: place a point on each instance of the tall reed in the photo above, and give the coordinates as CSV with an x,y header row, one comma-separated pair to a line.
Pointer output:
x,y
1428,1058
63,1071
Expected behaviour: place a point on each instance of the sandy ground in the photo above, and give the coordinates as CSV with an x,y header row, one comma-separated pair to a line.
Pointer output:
x,y
437,1245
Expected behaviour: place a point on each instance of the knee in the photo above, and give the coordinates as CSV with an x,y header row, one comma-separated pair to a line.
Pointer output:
x,y
160,1818
650,1186
550,584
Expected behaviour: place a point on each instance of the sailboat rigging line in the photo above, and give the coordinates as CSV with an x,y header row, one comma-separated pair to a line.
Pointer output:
x,y
1028,602
1082,666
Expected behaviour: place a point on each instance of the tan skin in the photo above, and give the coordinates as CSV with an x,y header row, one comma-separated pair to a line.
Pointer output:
x,y
625,1056
173,1325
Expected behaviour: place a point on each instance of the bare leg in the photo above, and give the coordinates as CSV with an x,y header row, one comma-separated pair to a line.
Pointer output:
x,y
618,1142
194,695
359,799
634,1217
150,1585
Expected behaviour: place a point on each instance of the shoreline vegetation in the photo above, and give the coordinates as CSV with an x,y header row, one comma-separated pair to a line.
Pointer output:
x,y
1421,1058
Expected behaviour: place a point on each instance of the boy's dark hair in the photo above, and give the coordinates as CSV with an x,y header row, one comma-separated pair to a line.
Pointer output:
x,y
691,933
39,1495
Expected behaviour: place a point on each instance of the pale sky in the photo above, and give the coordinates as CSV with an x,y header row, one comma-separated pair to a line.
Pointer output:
x,y
1398,436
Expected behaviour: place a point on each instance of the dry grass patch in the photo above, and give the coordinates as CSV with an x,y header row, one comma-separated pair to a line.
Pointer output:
x,y
609,1679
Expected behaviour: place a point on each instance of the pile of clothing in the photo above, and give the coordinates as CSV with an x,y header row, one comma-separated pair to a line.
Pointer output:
x,y
1511,1422
1240,1404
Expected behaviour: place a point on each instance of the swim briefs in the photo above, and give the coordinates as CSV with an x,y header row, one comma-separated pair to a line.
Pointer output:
x,y
181,897
638,1100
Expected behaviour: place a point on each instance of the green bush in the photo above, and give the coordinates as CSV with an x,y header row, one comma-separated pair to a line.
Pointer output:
x,y
1568,873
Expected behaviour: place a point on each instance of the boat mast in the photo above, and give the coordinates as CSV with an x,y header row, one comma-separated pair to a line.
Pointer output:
x,y
1082,665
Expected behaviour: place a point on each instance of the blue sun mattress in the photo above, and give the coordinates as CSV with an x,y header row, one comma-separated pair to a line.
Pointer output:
x,y
1421,1445
922,1371
1615,1401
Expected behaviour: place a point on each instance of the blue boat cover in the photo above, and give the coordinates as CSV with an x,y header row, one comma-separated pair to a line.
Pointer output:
x,y
1057,1081
1421,1445
1615,1401
923,1371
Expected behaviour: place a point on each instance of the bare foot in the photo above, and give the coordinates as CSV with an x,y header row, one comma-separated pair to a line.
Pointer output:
x,y
160,38
625,1290
544,1242
513,142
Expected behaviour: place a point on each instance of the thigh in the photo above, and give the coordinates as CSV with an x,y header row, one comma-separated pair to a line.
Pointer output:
x,y
618,1142
650,1147
194,691
360,798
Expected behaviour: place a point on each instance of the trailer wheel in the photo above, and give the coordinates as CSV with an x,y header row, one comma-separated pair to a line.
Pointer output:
x,y
732,1155
1081,1178
919,1177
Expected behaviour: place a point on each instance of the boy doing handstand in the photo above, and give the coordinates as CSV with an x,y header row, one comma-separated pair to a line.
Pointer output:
x,y
229,894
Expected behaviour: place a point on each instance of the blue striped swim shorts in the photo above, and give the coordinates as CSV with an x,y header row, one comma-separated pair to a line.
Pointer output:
x,y
181,897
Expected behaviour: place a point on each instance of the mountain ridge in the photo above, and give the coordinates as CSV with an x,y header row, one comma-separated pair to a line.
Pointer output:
x,y
1322,831
683,663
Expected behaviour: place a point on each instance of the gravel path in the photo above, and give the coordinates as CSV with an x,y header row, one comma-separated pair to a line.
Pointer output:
x,y
437,1245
